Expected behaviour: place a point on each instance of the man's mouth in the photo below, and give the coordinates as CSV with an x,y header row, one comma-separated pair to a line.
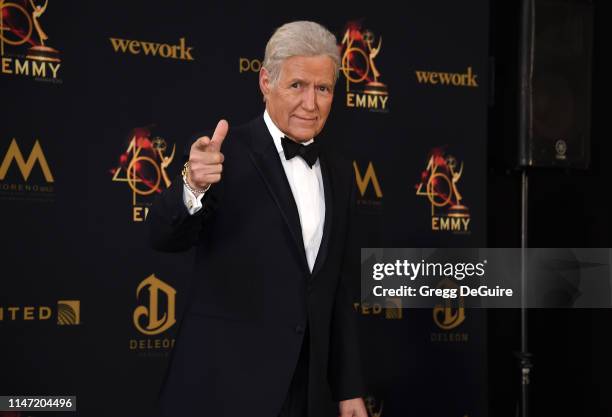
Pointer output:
x,y
306,119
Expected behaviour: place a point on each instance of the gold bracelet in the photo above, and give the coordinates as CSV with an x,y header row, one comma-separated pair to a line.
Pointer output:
x,y
185,174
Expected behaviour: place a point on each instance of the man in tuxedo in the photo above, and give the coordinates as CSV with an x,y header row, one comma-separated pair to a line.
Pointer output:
x,y
269,327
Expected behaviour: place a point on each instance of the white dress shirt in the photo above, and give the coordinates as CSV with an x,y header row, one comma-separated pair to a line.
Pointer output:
x,y
307,187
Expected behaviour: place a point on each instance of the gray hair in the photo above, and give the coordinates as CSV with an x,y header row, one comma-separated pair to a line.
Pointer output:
x,y
300,38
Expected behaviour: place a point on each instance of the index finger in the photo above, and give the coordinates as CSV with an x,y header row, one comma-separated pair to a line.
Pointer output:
x,y
220,132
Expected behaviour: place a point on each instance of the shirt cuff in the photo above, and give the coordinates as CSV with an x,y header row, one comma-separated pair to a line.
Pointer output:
x,y
192,202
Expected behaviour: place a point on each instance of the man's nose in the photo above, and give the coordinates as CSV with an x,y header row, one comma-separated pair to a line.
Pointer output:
x,y
309,99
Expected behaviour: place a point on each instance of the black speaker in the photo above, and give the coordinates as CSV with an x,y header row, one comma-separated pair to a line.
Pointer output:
x,y
555,55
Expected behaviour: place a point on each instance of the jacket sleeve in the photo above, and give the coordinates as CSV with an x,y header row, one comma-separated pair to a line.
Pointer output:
x,y
171,228
345,370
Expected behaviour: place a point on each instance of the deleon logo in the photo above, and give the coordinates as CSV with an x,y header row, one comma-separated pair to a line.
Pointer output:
x,y
449,316
363,183
163,50
28,187
439,184
156,321
143,167
155,315
363,86
24,46
68,313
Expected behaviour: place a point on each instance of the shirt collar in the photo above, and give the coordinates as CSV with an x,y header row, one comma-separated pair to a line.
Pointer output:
x,y
277,134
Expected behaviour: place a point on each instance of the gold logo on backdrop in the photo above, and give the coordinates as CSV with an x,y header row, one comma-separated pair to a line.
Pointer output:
x,y
36,155
393,309
68,312
365,180
181,51
28,187
22,24
439,184
41,52
364,89
363,184
157,322
249,65
448,316
143,166
467,79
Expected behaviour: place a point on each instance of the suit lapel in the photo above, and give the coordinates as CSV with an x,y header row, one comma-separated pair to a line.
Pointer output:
x,y
268,163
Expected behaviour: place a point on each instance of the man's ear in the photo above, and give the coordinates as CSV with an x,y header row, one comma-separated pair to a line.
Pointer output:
x,y
264,82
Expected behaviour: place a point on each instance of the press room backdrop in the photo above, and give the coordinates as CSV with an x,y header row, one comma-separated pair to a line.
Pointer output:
x,y
98,102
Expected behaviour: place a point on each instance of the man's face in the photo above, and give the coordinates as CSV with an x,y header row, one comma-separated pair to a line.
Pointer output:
x,y
301,99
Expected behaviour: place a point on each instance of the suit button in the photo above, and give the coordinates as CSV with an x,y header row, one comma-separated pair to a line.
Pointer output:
x,y
299,329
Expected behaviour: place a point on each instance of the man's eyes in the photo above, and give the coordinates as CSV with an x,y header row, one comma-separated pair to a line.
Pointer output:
x,y
321,88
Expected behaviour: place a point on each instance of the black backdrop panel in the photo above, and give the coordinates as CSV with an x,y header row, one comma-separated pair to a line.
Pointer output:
x,y
86,308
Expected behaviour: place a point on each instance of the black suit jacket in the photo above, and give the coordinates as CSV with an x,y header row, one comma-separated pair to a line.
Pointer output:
x,y
253,292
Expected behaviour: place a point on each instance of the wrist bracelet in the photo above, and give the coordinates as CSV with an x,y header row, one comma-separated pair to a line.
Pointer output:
x,y
185,174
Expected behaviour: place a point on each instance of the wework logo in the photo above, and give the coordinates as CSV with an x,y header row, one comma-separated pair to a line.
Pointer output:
x,y
467,79
164,50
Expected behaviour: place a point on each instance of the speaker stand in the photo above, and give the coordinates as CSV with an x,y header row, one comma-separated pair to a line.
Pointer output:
x,y
524,356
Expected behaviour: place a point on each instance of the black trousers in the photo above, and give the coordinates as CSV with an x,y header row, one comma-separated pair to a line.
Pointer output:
x,y
296,402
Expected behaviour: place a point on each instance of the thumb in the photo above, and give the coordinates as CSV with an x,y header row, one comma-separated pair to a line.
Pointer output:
x,y
219,135
202,143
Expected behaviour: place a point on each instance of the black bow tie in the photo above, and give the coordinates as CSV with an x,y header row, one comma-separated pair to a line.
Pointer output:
x,y
309,153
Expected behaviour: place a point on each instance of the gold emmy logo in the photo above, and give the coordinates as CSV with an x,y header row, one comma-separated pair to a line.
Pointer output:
x,y
449,316
439,185
373,410
363,183
41,52
143,166
68,312
36,155
20,24
156,323
359,49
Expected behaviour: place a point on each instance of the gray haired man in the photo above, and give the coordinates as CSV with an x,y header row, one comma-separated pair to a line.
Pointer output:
x,y
269,328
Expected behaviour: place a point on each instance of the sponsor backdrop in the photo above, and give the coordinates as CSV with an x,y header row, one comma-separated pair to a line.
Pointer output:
x,y
99,100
